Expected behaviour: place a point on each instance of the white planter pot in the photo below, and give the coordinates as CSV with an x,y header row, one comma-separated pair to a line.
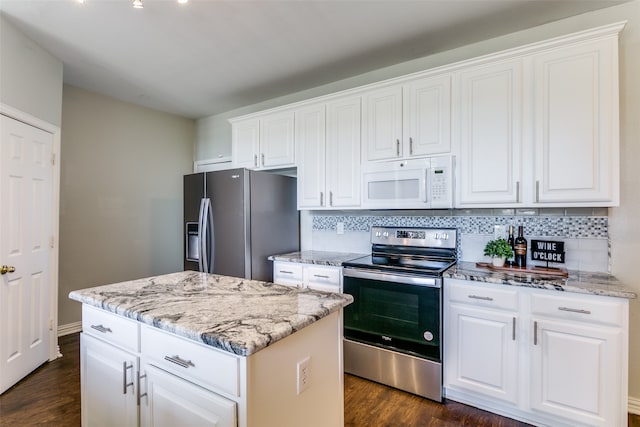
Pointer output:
x,y
498,261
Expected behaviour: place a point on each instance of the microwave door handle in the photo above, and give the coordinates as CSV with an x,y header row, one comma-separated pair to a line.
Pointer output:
x,y
201,235
427,182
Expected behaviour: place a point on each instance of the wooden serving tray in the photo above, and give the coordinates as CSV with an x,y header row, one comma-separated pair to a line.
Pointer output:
x,y
561,272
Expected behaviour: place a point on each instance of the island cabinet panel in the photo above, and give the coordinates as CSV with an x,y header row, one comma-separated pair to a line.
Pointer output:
x,y
172,401
274,398
546,358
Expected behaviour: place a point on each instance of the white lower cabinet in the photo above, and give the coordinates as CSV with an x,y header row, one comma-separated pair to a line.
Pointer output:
x,y
544,358
108,384
326,278
171,401
135,374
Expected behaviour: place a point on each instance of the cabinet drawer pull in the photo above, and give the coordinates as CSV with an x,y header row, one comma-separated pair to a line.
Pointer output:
x,y
285,272
480,297
101,328
574,310
125,384
321,276
179,361
141,395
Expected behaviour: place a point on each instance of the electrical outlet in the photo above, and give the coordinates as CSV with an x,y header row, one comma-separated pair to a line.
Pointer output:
x,y
340,227
304,374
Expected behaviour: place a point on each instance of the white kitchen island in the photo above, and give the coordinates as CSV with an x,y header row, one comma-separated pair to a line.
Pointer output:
x,y
192,348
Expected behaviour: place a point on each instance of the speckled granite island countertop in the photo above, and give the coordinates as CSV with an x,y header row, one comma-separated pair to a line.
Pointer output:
x,y
232,314
317,257
579,282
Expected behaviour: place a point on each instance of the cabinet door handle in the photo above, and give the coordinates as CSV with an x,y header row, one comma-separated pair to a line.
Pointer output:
x,y
255,160
480,297
179,361
398,147
286,272
330,198
321,198
537,191
101,328
410,145
262,155
574,310
517,191
513,329
535,333
125,384
141,395
320,276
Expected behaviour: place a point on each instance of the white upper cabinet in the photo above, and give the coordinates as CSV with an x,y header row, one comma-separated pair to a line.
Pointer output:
x,y
343,152
382,124
576,124
407,120
489,133
264,143
427,116
311,148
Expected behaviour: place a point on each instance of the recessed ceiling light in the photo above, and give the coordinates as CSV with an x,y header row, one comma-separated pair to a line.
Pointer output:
x,y
80,1
137,4
182,1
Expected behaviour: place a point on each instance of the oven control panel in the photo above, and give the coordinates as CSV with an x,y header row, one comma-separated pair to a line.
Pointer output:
x,y
414,236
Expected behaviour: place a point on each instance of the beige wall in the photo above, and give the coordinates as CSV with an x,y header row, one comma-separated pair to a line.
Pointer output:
x,y
30,77
121,193
214,135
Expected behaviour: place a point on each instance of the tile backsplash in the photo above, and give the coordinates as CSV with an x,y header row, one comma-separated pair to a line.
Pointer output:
x,y
586,237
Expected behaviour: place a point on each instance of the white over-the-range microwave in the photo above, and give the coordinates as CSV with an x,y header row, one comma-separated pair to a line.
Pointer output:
x,y
425,183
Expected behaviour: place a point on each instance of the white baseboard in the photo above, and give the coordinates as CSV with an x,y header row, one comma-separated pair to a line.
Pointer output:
x,y
69,328
634,405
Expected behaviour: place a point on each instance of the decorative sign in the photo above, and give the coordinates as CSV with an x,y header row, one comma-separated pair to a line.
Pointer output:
x,y
547,250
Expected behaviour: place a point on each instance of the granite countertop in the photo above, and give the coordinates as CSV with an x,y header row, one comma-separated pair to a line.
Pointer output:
x,y
579,282
317,257
232,314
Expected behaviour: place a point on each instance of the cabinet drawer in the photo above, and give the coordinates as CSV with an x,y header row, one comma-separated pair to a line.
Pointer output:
x,y
581,308
201,364
481,294
117,330
287,273
322,278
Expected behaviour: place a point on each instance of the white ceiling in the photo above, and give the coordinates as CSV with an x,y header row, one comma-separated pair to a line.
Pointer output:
x,y
210,56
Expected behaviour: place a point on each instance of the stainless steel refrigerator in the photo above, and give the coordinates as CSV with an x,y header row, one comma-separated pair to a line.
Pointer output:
x,y
234,219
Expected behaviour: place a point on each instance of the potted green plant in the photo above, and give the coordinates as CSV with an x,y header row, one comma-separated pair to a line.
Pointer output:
x,y
499,250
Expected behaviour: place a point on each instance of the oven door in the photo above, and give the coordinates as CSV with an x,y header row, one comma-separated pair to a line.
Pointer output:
x,y
394,311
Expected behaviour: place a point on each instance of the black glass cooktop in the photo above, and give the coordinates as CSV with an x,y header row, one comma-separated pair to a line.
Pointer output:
x,y
405,264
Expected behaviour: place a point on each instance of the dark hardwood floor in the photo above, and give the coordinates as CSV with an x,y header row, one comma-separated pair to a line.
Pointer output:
x,y
50,396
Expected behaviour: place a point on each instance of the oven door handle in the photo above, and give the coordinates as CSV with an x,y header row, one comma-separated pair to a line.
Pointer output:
x,y
432,282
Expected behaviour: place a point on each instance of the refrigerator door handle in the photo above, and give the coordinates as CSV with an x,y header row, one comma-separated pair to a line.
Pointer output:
x,y
201,235
210,238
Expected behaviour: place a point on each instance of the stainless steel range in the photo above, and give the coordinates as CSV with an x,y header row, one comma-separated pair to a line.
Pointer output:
x,y
393,328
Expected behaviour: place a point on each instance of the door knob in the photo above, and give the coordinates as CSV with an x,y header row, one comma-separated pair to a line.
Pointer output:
x,y
7,269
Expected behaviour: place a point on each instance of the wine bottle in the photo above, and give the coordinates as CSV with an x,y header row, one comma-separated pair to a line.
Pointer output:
x,y
520,248
511,261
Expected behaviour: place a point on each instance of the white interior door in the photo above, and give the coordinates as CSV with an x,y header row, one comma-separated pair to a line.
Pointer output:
x,y
26,174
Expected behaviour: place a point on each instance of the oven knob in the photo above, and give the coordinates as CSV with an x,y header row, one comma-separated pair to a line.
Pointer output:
x,y
428,336
378,233
385,234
